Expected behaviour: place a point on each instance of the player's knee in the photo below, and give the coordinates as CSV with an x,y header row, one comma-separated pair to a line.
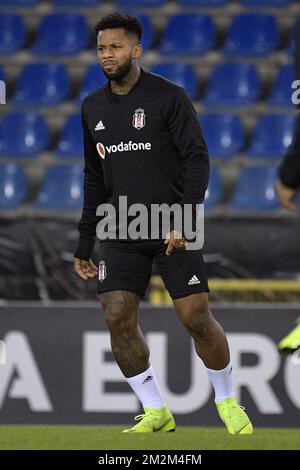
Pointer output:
x,y
119,319
196,318
196,322
120,311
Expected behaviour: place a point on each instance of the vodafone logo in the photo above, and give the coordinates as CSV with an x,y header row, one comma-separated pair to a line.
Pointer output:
x,y
122,147
101,150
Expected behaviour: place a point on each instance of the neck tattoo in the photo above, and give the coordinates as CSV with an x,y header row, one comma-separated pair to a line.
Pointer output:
x,y
123,87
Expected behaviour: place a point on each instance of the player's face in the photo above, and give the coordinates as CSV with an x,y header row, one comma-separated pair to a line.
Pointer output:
x,y
117,51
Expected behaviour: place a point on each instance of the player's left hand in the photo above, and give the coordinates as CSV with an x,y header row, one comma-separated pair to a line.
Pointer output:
x,y
85,269
175,239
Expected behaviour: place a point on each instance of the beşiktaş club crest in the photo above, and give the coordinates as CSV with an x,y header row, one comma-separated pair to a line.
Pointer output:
x,y
139,119
102,271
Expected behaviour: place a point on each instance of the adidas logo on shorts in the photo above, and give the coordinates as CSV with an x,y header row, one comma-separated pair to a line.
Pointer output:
x,y
194,280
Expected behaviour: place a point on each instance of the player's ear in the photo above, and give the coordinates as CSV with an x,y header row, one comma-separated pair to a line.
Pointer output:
x,y
137,51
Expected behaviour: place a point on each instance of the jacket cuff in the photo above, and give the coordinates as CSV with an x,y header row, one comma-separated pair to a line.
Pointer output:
x,y
84,249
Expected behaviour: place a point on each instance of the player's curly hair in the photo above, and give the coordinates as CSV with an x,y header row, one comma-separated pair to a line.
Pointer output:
x,y
116,20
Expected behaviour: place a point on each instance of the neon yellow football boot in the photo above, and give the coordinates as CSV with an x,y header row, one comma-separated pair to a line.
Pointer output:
x,y
234,417
291,342
154,420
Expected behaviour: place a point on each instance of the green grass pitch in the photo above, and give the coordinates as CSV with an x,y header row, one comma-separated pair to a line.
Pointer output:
x,y
110,438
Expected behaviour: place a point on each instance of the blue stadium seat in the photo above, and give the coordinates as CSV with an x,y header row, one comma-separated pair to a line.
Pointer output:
x,y
148,34
140,3
203,3
263,197
181,74
223,133
252,34
241,88
94,78
214,191
188,34
266,3
61,188
291,46
62,34
12,33
71,140
23,135
42,84
272,136
19,3
282,89
13,186
76,3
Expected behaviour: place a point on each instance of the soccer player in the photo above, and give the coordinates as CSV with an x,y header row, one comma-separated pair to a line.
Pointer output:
x,y
289,169
142,139
287,187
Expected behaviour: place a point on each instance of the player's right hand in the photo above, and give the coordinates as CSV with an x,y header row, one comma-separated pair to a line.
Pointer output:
x,y
174,239
85,269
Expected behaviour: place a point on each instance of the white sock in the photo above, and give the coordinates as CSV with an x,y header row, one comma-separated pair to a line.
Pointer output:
x,y
146,388
222,382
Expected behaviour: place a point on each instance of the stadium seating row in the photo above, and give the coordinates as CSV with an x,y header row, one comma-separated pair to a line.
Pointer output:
x,y
150,3
61,188
25,135
255,33
191,34
48,84
263,198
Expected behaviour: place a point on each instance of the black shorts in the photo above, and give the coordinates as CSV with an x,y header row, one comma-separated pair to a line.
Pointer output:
x,y
127,265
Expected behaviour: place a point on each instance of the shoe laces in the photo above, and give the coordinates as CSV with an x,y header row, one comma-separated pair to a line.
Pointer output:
x,y
144,415
233,405
230,410
239,406
139,417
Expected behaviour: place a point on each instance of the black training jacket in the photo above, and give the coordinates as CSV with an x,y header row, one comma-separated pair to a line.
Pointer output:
x,y
146,145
